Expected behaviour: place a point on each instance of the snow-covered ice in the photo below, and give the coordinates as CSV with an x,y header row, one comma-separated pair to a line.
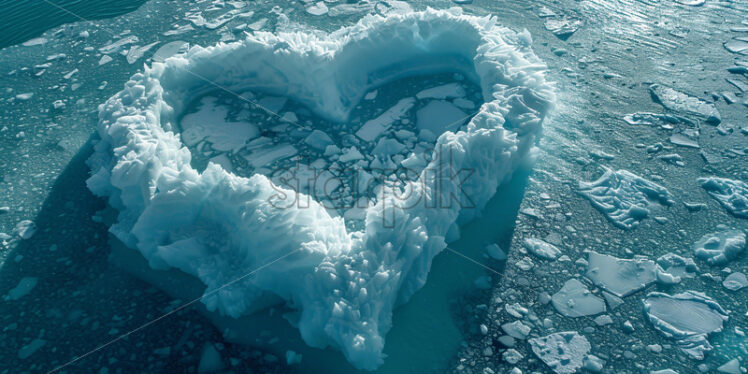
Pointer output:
x,y
563,352
687,317
343,284
732,194
720,247
625,198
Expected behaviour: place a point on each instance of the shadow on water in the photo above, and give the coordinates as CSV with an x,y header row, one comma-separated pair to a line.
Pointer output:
x,y
82,300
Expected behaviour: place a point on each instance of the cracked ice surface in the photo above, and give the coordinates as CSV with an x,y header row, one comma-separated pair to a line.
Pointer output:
x,y
218,226
624,197
688,317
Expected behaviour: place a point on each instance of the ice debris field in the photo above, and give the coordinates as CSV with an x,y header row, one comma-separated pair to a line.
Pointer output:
x,y
378,186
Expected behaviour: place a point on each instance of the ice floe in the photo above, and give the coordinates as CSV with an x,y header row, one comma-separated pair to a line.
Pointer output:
x,y
218,226
671,268
687,317
624,197
563,352
619,276
575,300
681,102
735,281
732,194
720,247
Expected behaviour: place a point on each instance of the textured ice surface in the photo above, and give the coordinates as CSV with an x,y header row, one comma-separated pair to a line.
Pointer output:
x,y
563,352
219,227
687,317
720,247
620,276
735,281
732,194
625,198
681,102
541,248
575,300
671,268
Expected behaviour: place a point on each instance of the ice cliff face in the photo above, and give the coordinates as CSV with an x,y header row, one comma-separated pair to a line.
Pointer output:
x,y
225,229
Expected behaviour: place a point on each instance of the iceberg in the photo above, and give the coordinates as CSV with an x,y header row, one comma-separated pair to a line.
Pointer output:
x,y
243,240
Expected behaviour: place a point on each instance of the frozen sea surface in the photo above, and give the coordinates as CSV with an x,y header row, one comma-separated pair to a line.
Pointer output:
x,y
651,88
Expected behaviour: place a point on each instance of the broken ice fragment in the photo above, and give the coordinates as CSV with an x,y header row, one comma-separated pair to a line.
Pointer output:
x,y
624,198
620,276
446,91
681,102
732,194
373,128
439,116
516,329
671,267
686,317
542,249
317,9
169,49
720,247
136,52
25,229
563,352
318,140
495,252
210,123
575,300
563,27
735,281
29,349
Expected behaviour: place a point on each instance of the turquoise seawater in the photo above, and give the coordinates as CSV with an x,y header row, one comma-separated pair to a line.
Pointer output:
x,y
21,20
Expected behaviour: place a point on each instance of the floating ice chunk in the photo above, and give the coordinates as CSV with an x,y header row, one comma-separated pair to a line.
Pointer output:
x,y
732,194
625,198
317,9
735,281
664,371
105,59
136,52
266,156
273,104
541,248
731,367
575,300
351,154
34,41
439,116
371,95
691,2
388,147
25,285
348,9
563,352
445,91
686,317
736,45
495,252
318,140
563,27
210,123
25,229
31,348
118,45
619,276
681,102
516,329
24,96
224,161
170,49
666,121
671,268
373,128
686,138
210,360
720,247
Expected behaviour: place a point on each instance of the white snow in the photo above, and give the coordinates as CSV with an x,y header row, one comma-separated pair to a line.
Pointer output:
x,y
686,317
619,276
217,226
625,198
732,194
563,352
720,247
575,300
541,248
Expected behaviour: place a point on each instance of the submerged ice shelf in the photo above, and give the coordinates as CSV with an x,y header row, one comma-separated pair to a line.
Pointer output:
x,y
219,226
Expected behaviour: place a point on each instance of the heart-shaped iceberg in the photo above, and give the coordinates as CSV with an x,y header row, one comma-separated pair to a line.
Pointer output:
x,y
230,231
